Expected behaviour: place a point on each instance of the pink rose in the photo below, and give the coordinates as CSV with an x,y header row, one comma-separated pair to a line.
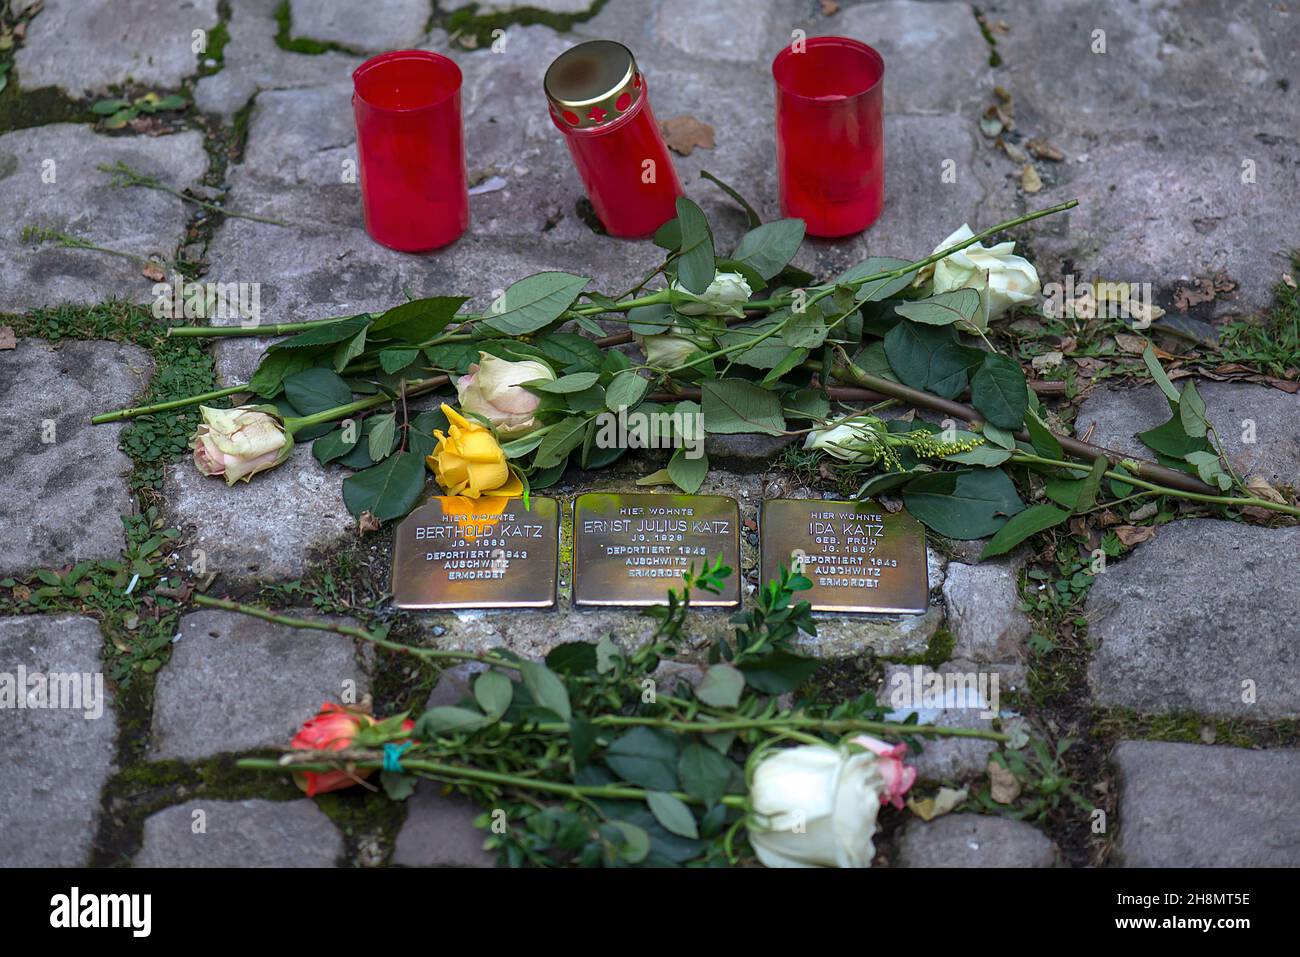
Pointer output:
x,y
898,776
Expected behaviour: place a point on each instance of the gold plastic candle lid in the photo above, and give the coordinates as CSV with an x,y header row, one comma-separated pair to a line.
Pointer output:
x,y
593,84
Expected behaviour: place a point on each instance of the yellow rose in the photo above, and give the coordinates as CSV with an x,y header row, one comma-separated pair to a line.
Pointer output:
x,y
468,460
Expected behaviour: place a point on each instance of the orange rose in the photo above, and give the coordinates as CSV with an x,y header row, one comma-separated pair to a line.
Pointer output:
x,y
332,729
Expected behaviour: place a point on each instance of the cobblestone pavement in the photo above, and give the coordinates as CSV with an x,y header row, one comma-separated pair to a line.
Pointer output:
x,y
1177,128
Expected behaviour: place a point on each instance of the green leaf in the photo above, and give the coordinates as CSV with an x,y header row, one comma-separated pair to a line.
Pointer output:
x,y
334,446
565,384
673,814
877,289
1020,526
1158,374
979,504
382,436
394,360
173,101
418,320
778,671
959,305
1209,469
763,353
547,689
120,118
805,330
387,490
638,842
534,302
645,757
108,107
1064,491
316,390
625,391
345,352
326,334
571,352
752,218
1088,493
494,691
986,455
1041,437
999,391
873,360
1171,439
930,358
651,320
887,482
455,356
704,772
695,269
572,658
733,406
564,436
721,686
767,248
446,719
688,473
1191,412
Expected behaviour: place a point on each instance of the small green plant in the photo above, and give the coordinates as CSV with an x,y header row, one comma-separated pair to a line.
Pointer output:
x,y
119,112
1045,784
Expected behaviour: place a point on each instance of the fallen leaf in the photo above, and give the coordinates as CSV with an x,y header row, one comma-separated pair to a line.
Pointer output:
x,y
22,593
1069,344
1108,518
1144,512
1030,181
1132,535
1005,786
927,809
1090,366
1047,361
154,272
7,338
1208,734
1044,150
1260,488
684,133
1134,345
367,523
1286,278
830,8
1014,152
1286,385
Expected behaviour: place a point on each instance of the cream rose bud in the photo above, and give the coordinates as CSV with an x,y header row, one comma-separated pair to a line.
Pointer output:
x,y
728,291
815,806
846,441
1002,279
238,443
493,390
668,350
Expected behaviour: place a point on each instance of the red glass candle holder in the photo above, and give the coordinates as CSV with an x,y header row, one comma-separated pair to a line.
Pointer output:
x,y
830,154
411,149
599,101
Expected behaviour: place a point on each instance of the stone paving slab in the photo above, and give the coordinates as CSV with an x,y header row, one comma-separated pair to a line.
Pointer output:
x,y
1238,410
231,525
240,834
65,497
983,603
83,47
1192,805
385,24
80,201
252,62
53,762
944,759
439,832
974,840
235,683
1193,615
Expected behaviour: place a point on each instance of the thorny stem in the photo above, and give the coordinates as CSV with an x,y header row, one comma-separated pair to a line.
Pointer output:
x,y
124,175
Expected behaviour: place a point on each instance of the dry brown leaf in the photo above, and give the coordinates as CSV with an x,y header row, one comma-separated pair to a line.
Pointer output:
x,y
1030,181
1260,488
1047,361
22,593
1089,365
1005,786
1286,278
1134,345
1286,385
830,8
7,338
153,272
1108,518
1132,535
927,809
684,133
367,523
1044,150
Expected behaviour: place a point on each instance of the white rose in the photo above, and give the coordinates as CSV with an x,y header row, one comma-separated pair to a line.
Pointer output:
x,y
727,291
1002,279
848,440
668,350
238,443
816,806
492,389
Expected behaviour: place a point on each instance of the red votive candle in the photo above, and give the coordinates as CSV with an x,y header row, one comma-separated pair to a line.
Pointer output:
x,y
830,155
598,100
411,149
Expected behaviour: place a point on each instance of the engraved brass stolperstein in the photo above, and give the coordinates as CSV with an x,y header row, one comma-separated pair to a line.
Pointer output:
x,y
458,552
867,560
630,549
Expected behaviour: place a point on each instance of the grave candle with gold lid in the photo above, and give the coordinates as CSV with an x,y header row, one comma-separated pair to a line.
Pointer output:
x,y
598,99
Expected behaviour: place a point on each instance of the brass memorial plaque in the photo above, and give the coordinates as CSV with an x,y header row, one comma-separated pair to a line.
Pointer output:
x,y
458,552
868,560
630,549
